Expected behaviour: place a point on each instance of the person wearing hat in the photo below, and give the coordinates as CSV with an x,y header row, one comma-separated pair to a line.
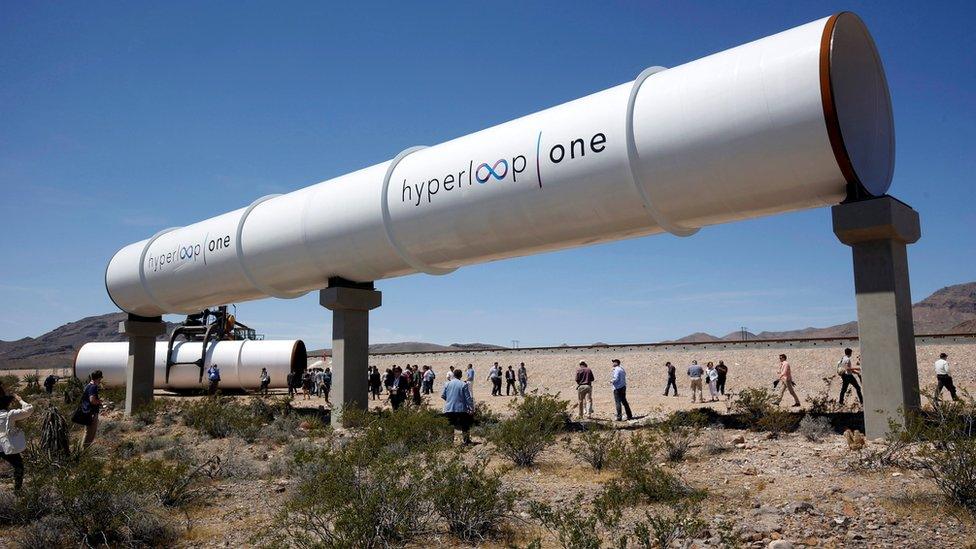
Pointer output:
x,y
12,439
584,389
944,377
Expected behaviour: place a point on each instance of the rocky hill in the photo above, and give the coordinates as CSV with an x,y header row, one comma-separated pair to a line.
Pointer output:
x,y
57,348
949,310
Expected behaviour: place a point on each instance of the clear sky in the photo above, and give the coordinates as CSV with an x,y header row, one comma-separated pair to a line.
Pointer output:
x,y
120,119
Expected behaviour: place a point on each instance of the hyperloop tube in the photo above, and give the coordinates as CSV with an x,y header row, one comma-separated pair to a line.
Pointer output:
x,y
797,120
240,363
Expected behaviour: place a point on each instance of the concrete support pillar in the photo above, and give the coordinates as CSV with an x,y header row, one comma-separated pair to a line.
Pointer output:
x,y
350,304
141,368
878,232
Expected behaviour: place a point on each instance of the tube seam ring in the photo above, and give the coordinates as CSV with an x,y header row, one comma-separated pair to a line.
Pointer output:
x,y
652,210
268,290
405,255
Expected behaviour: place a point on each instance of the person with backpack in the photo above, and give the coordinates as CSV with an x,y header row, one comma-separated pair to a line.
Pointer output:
x,y
89,408
12,439
265,381
846,371
213,375
510,381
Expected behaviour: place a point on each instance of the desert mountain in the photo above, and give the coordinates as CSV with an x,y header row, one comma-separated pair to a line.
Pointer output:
x,y
949,310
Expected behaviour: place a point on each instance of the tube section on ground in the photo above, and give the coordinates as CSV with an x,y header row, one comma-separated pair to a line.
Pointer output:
x,y
240,363
800,119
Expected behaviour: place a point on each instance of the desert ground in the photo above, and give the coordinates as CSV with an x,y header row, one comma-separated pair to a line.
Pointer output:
x,y
777,492
646,375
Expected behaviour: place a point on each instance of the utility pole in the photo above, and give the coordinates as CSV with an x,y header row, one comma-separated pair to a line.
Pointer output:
x,y
515,344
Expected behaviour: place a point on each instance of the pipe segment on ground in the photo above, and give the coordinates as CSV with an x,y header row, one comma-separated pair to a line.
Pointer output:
x,y
240,363
797,120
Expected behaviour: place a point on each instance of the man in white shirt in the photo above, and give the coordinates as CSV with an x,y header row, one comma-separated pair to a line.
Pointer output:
x,y
846,371
618,379
945,378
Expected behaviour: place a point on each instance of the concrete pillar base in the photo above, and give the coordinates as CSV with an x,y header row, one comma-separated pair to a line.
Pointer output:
x,y
878,232
350,304
141,368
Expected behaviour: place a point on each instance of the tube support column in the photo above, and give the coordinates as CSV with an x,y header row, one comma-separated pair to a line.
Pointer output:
x,y
350,304
141,367
878,231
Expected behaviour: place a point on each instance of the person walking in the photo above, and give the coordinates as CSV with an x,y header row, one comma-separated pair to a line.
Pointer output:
x,y
459,405
846,371
265,381
786,379
388,380
213,375
671,379
711,374
723,373
89,408
523,378
510,381
695,374
584,389
290,380
12,438
469,376
944,377
327,384
495,377
375,382
618,380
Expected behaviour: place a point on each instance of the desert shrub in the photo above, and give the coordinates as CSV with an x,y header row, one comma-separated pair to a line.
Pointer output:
x,y
112,395
32,384
402,432
682,522
93,503
72,391
148,412
596,448
49,531
173,485
351,498
752,404
678,432
485,419
10,382
714,441
641,480
281,430
536,421
473,502
815,429
221,417
777,421
573,527
824,402
945,447
236,466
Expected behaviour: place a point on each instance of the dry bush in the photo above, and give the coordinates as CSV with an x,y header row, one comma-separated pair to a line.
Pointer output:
x,y
473,502
596,448
815,429
715,442
536,421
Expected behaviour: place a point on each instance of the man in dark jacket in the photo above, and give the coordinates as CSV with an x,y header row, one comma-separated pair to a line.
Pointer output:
x,y
584,389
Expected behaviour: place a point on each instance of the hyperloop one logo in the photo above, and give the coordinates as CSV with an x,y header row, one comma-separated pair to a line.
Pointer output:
x,y
505,168
493,171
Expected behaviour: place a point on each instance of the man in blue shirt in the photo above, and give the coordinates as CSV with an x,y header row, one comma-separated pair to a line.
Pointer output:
x,y
213,375
618,379
459,405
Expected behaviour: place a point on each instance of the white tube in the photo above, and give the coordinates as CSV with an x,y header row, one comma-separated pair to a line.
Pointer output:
x,y
240,363
800,119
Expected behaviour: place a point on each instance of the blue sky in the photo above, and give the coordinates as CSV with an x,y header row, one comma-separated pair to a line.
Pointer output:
x,y
119,119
